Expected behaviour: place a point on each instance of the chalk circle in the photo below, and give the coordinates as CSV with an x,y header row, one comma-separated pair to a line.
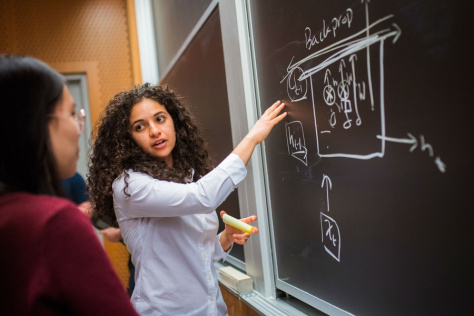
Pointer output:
x,y
343,90
295,87
329,95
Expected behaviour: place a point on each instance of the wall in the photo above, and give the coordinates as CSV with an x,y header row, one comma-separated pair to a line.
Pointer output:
x,y
96,37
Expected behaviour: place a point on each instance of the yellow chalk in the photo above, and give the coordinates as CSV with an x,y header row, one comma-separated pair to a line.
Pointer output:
x,y
234,222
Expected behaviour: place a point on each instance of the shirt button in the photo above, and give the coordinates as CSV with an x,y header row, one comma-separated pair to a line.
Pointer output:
x,y
209,277
211,299
204,255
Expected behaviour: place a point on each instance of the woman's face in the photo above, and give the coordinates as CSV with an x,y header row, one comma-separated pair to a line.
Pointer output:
x,y
64,135
152,129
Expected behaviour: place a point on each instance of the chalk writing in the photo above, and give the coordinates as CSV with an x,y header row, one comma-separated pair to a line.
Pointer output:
x,y
423,145
331,236
328,29
295,141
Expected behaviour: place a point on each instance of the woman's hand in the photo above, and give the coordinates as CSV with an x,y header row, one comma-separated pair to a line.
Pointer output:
x,y
267,121
260,131
232,234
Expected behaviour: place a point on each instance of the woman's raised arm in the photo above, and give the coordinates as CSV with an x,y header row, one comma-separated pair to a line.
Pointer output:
x,y
259,131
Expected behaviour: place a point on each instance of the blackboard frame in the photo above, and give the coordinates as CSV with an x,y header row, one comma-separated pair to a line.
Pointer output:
x,y
198,76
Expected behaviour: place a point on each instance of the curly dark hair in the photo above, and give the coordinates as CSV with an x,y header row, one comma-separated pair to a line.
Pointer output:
x,y
113,150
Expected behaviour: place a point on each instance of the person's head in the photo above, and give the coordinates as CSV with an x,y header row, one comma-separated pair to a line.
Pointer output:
x,y
39,143
152,129
146,129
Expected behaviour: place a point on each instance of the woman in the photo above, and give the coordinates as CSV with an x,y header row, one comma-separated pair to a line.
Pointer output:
x,y
150,171
52,262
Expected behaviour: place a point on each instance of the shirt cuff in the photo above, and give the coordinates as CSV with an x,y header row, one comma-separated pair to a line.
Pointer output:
x,y
235,168
220,253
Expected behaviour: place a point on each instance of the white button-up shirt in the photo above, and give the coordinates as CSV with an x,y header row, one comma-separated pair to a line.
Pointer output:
x,y
170,230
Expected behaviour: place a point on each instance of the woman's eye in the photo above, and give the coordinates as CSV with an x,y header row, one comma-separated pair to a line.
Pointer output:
x,y
139,127
160,118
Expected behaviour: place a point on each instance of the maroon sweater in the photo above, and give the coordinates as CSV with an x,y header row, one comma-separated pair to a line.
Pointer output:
x,y
52,263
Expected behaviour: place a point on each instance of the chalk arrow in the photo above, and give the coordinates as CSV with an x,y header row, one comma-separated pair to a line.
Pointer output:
x,y
412,140
290,66
342,65
353,58
326,76
328,183
399,32
289,69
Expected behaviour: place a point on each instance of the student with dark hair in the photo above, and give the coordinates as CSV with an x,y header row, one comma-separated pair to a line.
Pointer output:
x,y
46,243
150,171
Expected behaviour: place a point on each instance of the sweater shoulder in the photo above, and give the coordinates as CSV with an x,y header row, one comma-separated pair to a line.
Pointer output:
x,y
34,209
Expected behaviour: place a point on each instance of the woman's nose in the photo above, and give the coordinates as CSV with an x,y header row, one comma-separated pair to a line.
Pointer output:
x,y
154,130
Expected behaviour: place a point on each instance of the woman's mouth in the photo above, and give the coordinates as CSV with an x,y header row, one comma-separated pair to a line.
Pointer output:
x,y
159,144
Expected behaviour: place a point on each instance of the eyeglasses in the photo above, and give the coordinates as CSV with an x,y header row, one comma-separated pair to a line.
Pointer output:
x,y
80,118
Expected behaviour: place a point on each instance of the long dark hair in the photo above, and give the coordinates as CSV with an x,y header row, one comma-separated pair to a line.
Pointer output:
x,y
29,92
113,150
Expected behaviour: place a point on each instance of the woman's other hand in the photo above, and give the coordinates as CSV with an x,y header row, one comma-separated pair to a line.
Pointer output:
x,y
232,234
112,234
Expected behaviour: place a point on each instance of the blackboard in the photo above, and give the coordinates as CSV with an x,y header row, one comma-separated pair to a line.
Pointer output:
x,y
369,177
198,76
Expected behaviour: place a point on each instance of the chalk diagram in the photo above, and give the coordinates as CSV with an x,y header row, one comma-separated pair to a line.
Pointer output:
x,y
350,93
